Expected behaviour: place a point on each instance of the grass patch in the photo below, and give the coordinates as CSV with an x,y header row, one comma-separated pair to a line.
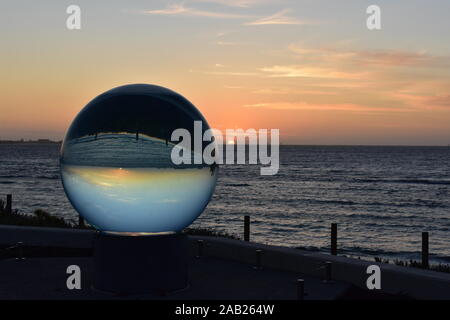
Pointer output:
x,y
39,218
441,267
209,232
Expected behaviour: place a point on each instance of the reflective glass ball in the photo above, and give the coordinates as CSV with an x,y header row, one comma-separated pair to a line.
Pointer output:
x,y
116,164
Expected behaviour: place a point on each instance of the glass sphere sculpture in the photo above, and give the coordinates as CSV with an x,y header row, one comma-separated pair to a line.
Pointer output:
x,y
116,164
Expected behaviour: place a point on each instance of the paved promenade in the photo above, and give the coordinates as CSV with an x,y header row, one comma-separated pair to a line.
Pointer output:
x,y
210,278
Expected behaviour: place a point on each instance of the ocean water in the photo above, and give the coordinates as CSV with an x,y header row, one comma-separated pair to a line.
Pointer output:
x,y
381,197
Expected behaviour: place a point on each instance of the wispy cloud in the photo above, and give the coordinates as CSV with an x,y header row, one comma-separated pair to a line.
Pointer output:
x,y
256,105
363,57
180,9
299,71
227,43
439,101
226,73
222,33
233,87
277,18
392,58
442,100
291,91
349,107
238,3
232,43
231,73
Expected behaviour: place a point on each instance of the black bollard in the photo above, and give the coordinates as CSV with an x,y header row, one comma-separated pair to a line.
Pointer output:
x,y
300,289
258,264
20,255
81,222
327,271
199,248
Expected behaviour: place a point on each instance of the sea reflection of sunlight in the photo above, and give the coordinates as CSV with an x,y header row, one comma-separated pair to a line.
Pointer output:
x,y
154,199
113,177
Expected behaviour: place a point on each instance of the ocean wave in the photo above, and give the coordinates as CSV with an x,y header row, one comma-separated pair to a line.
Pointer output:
x,y
13,176
405,181
312,201
414,204
237,185
442,258
350,178
378,217
51,177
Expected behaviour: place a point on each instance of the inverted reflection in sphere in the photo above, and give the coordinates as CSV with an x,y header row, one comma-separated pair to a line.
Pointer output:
x,y
116,162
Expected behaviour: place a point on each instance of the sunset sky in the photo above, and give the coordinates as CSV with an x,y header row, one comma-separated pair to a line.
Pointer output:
x,y
308,67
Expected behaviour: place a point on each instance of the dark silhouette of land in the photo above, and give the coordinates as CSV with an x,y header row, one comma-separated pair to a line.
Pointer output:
x,y
30,141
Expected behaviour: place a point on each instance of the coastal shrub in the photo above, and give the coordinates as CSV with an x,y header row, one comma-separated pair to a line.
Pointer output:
x,y
40,218
47,219
209,232
441,267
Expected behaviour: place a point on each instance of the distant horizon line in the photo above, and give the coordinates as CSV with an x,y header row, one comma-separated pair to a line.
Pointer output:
x,y
46,140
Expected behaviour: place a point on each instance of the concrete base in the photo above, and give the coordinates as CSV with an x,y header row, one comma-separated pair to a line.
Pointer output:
x,y
140,264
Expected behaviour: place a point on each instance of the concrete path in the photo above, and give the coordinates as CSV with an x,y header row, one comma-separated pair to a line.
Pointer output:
x,y
235,260
210,278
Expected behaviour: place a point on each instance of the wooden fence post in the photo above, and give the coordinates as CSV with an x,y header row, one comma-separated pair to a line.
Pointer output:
x,y
8,207
425,250
246,228
334,239
81,223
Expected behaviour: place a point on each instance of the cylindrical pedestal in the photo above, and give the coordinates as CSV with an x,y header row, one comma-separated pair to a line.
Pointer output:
x,y
140,264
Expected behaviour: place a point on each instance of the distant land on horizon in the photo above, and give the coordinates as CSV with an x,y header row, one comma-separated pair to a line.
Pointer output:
x,y
31,141
49,141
